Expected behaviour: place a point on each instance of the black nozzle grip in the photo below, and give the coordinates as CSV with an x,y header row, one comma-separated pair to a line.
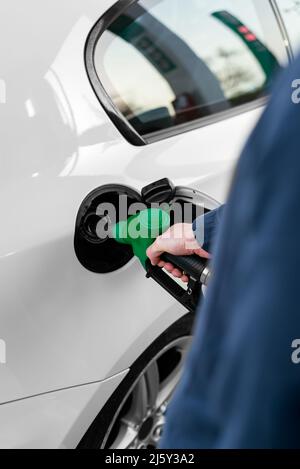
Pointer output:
x,y
188,298
193,266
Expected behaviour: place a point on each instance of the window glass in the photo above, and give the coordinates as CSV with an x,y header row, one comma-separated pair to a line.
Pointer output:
x,y
290,10
169,62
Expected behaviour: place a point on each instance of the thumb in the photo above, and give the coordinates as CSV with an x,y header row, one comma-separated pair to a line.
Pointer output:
x,y
202,253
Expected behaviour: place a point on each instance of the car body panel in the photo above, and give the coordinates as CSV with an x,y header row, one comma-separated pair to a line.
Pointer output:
x,y
54,420
58,319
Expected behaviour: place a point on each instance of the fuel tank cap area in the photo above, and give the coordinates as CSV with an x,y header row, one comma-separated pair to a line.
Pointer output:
x,y
96,245
104,206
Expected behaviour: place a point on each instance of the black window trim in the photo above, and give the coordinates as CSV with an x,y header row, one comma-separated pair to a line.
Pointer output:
x,y
89,54
122,124
206,121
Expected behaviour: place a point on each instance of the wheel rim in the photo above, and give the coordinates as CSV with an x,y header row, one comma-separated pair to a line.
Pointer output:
x,y
140,419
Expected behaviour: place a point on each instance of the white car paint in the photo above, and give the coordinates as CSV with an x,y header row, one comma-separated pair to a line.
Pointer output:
x,y
55,419
65,327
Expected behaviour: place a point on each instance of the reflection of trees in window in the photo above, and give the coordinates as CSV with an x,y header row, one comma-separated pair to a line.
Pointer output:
x,y
237,80
294,8
234,78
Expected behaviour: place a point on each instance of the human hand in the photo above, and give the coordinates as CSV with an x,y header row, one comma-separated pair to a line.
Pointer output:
x,y
179,240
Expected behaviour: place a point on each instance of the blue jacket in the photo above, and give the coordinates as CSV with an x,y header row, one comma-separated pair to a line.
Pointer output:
x,y
206,228
240,388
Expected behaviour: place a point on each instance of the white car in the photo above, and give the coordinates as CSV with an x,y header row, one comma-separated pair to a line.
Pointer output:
x,y
99,98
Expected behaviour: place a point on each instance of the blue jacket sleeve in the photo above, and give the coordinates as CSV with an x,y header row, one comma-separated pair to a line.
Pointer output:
x,y
240,387
206,228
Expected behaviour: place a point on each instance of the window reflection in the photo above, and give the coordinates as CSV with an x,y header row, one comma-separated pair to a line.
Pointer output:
x,y
168,62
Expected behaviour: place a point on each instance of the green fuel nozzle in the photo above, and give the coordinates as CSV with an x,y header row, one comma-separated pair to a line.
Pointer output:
x,y
141,230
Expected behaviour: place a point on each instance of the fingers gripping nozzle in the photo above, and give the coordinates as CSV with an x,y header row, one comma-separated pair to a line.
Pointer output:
x,y
140,231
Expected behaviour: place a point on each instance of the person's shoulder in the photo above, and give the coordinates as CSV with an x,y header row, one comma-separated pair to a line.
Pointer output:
x,y
288,78
295,66
285,100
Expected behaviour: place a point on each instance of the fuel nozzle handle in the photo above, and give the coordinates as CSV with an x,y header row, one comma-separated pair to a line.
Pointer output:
x,y
194,266
140,231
